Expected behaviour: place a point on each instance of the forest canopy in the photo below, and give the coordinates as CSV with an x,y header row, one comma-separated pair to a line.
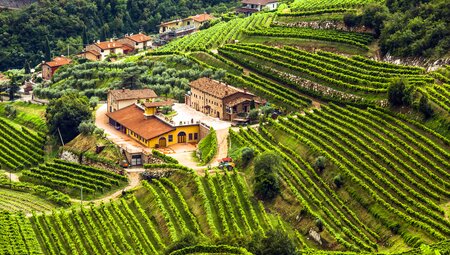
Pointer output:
x,y
23,32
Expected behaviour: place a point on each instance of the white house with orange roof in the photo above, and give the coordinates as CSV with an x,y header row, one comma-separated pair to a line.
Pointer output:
x,y
137,41
186,25
106,48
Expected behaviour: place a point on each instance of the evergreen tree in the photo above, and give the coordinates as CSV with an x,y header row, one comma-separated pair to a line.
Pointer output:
x,y
47,50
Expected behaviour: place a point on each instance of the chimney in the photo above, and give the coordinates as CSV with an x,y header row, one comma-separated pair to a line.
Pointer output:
x,y
245,90
123,89
110,39
98,41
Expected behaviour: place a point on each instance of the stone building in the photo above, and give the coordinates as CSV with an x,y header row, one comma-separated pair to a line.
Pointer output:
x,y
219,100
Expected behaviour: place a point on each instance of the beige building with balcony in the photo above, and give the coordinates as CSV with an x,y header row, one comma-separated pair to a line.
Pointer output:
x,y
219,100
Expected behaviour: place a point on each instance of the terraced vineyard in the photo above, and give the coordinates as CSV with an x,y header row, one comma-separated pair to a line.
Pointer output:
x,y
70,178
351,38
395,173
220,34
15,201
17,235
301,5
19,147
323,74
439,94
158,214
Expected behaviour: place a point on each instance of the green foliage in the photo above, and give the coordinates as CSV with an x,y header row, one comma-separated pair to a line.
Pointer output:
x,y
189,239
338,181
66,113
247,155
44,29
253,115
416,28
86,127
164,157
266,167
320,164
275,242
208,146
399,92
10,111
93,102
425,107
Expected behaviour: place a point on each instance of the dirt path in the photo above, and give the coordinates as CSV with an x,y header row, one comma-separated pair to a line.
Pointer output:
x,y
133,175
14,176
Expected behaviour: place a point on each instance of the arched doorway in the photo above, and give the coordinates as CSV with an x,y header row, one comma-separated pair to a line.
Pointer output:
x,y
181,137
162,142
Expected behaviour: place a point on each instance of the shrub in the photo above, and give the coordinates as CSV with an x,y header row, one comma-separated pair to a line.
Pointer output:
x,y
86,128
267,186
338,181
425,107
247,155
253,115
320,163
399,93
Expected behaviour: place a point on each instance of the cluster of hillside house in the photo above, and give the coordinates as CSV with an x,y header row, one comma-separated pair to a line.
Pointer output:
x,y
135,42
125,45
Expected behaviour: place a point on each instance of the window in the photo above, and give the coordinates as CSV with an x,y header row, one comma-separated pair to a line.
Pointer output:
x,y
190,136
195,136
170,138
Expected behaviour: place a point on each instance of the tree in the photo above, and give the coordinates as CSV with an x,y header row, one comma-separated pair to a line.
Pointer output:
x,y
319,224
47,50
93,102
14,80
374,15
266,184
86,127
253,115
247,155
66,113
85,37
399,93
425,107
320,163
338,181
275,242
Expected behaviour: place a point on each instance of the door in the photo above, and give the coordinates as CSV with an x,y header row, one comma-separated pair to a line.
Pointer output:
x,y
181,137
136,160
162,142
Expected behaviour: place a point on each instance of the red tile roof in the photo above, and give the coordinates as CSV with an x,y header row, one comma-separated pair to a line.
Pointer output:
x,y
202,17
213,87
159,104
259,2
109,45
237,101
139,38
126,94
127,48
169,22
132,117
58,61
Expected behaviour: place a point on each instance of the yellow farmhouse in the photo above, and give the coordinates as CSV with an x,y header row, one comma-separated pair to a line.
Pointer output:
x,y
143,123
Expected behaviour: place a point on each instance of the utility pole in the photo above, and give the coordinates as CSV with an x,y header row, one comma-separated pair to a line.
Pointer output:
x,y
60,136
